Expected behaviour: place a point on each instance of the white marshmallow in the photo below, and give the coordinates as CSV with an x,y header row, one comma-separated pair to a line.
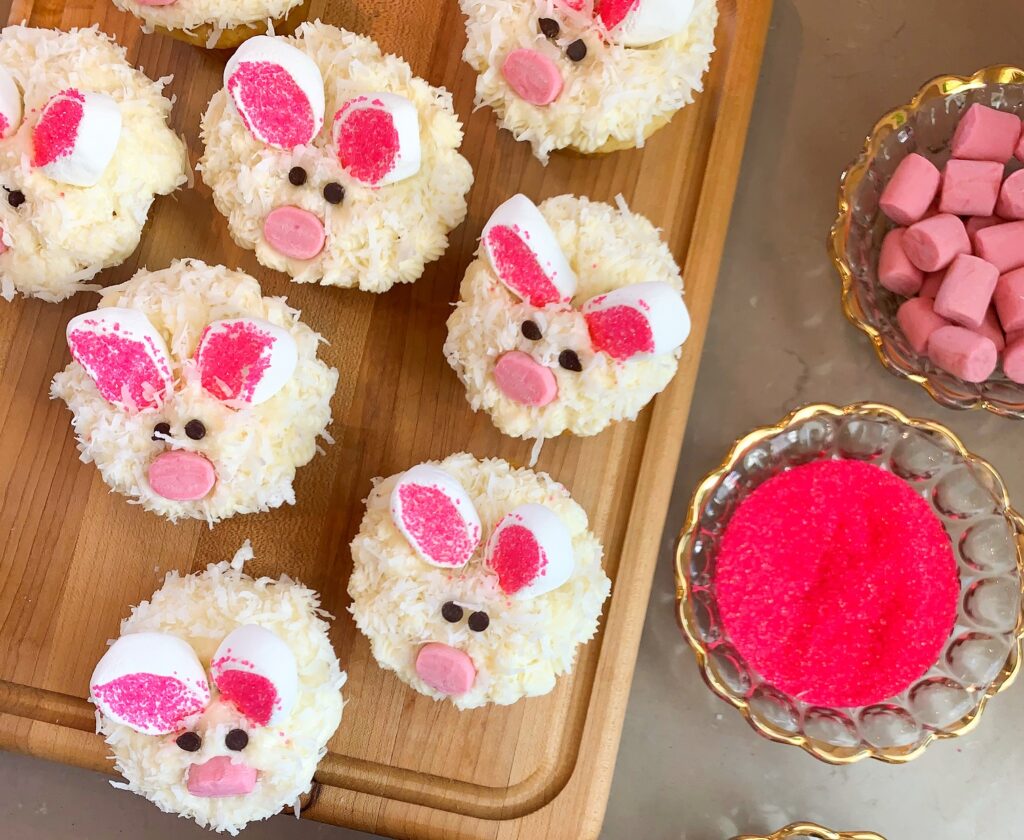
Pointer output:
x,y
283,122
652,21
94,120
521,217
658,305
436,515
11,111
543,557
396,163
255,650
123,353
153,707
245,361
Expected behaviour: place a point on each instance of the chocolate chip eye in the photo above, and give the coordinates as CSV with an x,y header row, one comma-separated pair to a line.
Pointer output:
x,y
15,198
532,331
334,193
479,621
297,176
195,429
163,429
236,740
451,612
577,51
549,28
570,361
189,741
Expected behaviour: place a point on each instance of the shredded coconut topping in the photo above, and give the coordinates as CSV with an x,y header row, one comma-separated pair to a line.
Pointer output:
x,y
224,14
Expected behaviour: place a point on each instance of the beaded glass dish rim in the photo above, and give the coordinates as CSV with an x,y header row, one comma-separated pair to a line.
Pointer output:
x,y
823,751
838,240
806,829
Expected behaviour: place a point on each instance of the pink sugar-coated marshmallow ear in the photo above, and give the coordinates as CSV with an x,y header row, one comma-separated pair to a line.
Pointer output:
x,y
970,187
445,669
642,319
976,223
221,776
911,190
986,134
277,90
967,291
123,353
76,136
256,671
1011,197
992,329
436,515
245,361
895,270
932,283
150,682
917,320
1013,360
1009,300
640,23
377,138
11,111
530,551
932,243
533,76
524,252
1002,245
965,354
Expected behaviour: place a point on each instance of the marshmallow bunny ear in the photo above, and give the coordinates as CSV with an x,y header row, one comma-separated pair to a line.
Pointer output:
x,y
436,516
277,90
245,361
11,111
642,319
150,682
530,551
76,136
256,671
123,353
640,23
525,254
377,138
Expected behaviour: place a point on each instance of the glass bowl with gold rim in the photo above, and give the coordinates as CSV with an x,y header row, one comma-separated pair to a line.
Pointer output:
x,y
811,831
982,653
925,125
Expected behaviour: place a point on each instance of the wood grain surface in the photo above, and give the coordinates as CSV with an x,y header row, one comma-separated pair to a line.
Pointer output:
x,y
74,557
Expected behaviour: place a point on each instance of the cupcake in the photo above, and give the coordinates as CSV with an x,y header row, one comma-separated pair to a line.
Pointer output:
x,y
571,318
475,582
593,76
217,24
220,695
84,149
196,396
365,199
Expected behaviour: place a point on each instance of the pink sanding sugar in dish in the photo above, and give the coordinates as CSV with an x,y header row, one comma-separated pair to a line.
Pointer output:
x,y
837,583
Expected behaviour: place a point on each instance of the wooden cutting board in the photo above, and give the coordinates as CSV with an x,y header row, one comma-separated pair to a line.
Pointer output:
x,y
74,557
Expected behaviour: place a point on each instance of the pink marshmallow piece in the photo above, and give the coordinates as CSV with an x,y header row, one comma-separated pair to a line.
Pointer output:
x,y
895,271
1018,152
911,190
992,330
985,133
1013,360
963,353
1011,197
220,777
181,476
533,76
931,284
967,291
933,243
294,232
1002,245
525,381
918,321
976,223
445,669
970,187
1009,300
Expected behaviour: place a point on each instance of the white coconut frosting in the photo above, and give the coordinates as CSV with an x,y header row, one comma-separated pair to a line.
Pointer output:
x,y
202,610
616,94
255,450
377,236
61,235
223,14
397,597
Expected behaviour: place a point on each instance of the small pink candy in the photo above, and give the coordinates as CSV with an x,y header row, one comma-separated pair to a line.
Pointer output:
x,y
970,187
985,133
976,223
918,321
992,330
1002,245
895,271
220,777
1011,197
1013,360
1009,300
932,243
963,353
931,284
967,291
911,189
294,232
445,669
525,381
181,476
533,76
1018,151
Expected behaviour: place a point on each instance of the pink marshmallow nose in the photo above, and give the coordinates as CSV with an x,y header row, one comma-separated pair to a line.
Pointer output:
x,y
294,232
520,378
532,75
181,476
445,669
219,777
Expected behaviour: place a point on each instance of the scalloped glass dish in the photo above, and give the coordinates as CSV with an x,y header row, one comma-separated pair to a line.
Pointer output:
x,y
982,654
812,831
925,125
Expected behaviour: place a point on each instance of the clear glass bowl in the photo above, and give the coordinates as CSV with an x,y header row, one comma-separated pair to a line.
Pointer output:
x,y
926,126
982,655
812,831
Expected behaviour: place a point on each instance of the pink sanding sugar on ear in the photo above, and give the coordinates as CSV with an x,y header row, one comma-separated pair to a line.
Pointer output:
x,y
436,526
519,268
274,107
367,143
620,331
55,134
233,361
122,366
612,12
148,701
517,558
252,694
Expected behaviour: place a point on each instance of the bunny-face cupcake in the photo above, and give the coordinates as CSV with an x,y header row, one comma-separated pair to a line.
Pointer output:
x,y
194,395
333,161
571,318
220,695
84,148
594,76
475,582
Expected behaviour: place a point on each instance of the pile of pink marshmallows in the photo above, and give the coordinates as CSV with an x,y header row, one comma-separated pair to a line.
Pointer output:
x,y
959,255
